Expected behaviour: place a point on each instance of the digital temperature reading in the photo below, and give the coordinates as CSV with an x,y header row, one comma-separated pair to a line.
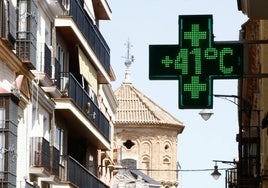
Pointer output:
x,y
195,62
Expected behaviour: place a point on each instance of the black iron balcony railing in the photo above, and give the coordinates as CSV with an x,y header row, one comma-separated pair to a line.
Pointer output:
x,y
42,154
26,48
57,73
47,60
39,152
75,173
249,157
55,160
91,32
231,178
81,97
26,32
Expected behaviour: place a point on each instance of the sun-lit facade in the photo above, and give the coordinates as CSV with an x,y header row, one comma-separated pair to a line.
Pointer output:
x,y
56,101
146,138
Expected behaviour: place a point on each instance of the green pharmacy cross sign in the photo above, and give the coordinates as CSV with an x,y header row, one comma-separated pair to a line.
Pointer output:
x,y
196,61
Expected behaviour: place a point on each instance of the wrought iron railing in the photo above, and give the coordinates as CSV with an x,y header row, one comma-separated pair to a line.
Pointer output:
x,y
57,73
81,97
91,32
40,152
231,178
26,32
75,173
26,49
47,60
55,160
249,157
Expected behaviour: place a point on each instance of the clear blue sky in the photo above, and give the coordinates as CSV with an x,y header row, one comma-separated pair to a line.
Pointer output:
x,y
146,22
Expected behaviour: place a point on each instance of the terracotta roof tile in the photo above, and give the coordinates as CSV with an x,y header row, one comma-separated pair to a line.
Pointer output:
x,y
135,108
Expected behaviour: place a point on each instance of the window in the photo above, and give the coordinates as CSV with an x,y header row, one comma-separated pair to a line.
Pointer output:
x,y
61,56
12,17
128,144
46,125
166,147
146,164
2,141
129,163
22,24
2,118
166,161
59,141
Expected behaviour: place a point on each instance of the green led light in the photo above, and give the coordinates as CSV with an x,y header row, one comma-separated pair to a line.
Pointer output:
x,y
167,61
211,53
195,87
224,52
197,59
195,35
181,62
195,62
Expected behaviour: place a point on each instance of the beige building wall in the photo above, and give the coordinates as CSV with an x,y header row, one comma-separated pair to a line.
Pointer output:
x,y
146,136
264,100
154,149
256,88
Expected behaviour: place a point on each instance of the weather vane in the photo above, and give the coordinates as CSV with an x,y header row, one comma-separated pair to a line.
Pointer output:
x,y
129,59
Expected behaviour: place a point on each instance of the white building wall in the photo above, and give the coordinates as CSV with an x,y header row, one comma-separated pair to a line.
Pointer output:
x,y
23,147
7,77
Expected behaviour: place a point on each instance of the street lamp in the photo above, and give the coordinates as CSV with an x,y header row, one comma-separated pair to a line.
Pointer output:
x,y
216,174
206,114
230,173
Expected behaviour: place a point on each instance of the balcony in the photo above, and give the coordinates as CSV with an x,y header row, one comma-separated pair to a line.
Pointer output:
x,y
40,156
231,178
102,9
47,60
91,32
44,159
72,171
249,157
44,68
26,32
76,28
85,112
26,49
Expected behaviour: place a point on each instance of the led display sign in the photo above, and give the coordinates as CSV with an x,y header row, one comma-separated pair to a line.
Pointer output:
x,y
196,61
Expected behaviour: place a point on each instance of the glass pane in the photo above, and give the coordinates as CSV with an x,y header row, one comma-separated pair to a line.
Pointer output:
x,y
2,118
2,153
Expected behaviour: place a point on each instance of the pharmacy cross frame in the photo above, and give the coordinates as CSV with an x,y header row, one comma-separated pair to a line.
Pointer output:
x,y
196,61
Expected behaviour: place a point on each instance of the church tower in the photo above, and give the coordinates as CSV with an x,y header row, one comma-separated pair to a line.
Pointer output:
x,y
145,134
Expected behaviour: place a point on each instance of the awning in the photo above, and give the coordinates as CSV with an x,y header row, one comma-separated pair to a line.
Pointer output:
x,y
87,70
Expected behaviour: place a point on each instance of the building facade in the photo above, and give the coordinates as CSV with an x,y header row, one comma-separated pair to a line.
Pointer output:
x,y
56,102
253,87
146,136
